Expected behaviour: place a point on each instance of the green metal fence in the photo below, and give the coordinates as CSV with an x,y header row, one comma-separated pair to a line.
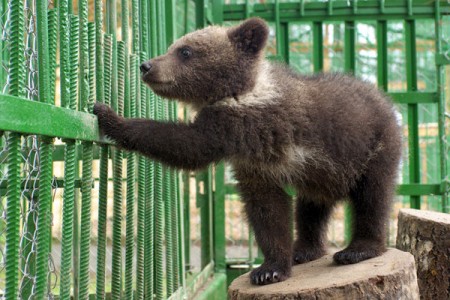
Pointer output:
x,y
81,218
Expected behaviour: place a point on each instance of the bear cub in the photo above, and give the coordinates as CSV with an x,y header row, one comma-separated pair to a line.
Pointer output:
x,y
330,136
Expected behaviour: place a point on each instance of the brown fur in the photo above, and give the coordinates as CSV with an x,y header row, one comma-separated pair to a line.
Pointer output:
x,y
329,135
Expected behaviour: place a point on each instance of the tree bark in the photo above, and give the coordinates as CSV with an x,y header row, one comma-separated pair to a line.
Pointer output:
x,y
426,235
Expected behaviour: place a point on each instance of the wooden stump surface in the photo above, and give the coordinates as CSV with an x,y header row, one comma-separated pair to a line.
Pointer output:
x,y
390,276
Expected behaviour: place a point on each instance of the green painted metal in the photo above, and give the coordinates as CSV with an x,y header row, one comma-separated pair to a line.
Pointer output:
x,y
317,46
77,125
13,213
69,157
349,67
131,171
116,289
413,109
46,168
52,44
342,11
440,78
16,87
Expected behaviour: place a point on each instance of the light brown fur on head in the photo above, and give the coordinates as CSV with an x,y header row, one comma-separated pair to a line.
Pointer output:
x,y
222,63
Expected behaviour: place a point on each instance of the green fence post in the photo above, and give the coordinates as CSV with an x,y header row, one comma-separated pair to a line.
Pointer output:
x,y
116,289
69,156
349,67
443,140
413,109
219,219
100,76
46,168
16,88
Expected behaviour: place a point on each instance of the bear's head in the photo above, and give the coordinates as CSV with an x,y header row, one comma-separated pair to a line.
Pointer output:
x,y
210,64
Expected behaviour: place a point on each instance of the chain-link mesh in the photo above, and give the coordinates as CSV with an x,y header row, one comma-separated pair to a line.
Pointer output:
x,y
30,165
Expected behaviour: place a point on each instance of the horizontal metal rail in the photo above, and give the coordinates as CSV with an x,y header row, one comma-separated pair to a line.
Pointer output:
x,y
338,10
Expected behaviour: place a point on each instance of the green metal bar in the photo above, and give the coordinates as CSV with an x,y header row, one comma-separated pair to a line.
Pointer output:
x,y
131,181
69,157
413,109
43,221
440,78
219,220
73,59
204,200
13,215
67,226
342,11
45,186
419,189
86,191
16,87
64,50
52,44
32,117
116,289
349,67
103,88
135,26
85,233
382,61
317,46
92,63
168,222
157,14
73,104
187,222
102,209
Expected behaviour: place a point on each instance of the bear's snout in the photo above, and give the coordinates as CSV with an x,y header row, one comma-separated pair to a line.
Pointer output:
x,y
145,67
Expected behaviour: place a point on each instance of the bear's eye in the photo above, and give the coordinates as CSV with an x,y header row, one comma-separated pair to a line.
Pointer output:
x,y
185,52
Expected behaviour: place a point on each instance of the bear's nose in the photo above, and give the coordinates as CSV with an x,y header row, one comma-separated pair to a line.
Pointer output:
x,y
145,67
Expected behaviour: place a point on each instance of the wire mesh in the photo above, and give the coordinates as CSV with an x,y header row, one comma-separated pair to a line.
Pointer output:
x,y
29,165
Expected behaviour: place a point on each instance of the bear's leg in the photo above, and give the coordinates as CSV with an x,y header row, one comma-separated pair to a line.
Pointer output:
x,y
371,202
312,219
268,210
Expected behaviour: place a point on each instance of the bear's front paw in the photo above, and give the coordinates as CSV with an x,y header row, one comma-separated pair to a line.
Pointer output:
x,y
108,121
269,273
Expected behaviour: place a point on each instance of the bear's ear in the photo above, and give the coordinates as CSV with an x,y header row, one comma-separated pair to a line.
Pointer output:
x,y
250,36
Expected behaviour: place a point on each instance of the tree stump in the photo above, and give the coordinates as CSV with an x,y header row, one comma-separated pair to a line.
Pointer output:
x,y
426,235
390,276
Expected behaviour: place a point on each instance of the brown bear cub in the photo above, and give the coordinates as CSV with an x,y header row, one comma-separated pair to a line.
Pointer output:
x,y
330,136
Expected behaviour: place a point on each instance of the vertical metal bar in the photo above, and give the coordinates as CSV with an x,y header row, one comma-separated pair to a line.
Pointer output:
x,y
116,289
73,104
13,215
159,203
69,156
440,78
16,88
219,220
52,34
45,180
413,109
203,198
131,171
317,46
103,94
103,180
86,185
382,47
349,67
